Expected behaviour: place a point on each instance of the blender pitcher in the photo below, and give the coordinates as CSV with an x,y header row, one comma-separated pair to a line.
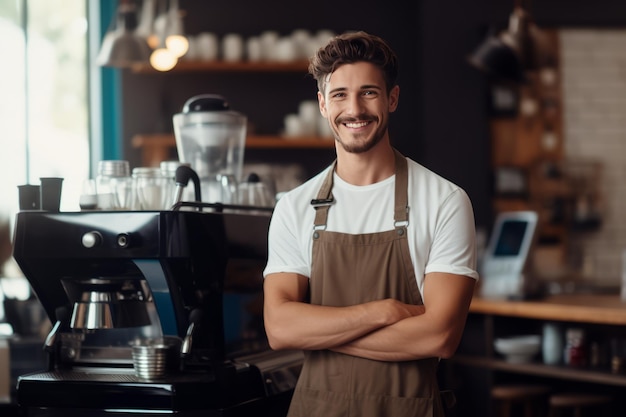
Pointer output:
x,y
211,138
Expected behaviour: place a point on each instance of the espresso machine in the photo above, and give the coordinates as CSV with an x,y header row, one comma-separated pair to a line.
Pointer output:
x,y
117,285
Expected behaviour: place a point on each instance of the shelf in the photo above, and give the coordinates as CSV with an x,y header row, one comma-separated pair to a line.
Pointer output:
x,y
539,369
582,308
300,66
157,147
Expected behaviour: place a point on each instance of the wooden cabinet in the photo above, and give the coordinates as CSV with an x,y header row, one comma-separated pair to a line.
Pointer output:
x,y
477,366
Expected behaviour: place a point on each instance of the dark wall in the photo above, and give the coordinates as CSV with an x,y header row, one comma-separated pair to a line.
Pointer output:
x,y
441,121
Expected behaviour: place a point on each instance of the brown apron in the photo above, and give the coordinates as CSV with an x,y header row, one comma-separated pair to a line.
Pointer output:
x,y
352,269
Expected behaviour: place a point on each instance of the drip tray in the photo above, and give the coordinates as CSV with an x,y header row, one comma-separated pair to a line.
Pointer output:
x,y
117,389
280,369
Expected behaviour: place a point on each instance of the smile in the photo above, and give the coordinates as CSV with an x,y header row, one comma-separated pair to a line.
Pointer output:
x,y
356,125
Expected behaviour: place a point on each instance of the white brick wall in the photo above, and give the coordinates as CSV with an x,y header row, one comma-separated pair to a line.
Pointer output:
x,y
593,67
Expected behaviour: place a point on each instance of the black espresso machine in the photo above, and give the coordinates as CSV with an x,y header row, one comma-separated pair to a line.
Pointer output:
x,y
183,288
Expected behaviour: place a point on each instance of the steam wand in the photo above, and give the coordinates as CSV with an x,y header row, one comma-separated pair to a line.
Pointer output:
x,y
194,318
61,314
182,176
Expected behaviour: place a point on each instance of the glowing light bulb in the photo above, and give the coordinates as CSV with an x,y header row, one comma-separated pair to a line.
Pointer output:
x,y
162,59
153,41
177,45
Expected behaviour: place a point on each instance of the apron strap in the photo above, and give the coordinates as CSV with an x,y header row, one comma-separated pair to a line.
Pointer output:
x,y
324,197
401,209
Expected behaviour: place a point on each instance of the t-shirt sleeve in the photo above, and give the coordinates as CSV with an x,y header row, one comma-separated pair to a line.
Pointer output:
x,y
284,251
453,248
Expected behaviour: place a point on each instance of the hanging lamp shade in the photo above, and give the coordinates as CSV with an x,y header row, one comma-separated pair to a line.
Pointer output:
x,y
498,60
508,55
121,46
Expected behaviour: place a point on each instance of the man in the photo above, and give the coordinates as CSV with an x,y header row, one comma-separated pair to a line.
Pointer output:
x,y
371,263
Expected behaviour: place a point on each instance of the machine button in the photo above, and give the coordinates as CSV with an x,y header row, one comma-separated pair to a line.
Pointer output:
x,y
123,240
92,239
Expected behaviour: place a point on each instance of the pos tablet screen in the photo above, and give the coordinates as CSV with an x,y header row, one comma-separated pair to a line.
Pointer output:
x,y
507,254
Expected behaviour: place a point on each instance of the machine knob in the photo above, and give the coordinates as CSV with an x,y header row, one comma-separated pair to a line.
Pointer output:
x,y
123,240
92,239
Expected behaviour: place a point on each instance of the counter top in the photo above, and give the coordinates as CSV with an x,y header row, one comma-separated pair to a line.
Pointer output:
x,y
583,308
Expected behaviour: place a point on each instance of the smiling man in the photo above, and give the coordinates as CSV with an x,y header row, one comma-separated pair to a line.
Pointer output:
x,y
372,264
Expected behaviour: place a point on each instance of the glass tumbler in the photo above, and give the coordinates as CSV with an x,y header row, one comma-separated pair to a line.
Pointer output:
x,y
114,185
151,188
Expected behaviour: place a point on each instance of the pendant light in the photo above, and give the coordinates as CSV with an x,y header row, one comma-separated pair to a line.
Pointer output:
x,y
175,39
171,43
121,46
508,55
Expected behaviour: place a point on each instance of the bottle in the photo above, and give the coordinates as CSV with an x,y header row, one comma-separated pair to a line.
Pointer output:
x,y
552,343
575,353
114,185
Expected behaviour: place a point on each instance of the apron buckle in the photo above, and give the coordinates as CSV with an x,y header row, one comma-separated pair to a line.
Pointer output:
x,y
401,223
322,202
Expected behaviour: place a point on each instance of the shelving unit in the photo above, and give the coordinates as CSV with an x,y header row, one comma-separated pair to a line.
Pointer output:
x,y
226,66
158,147
161,146
541,370
603,317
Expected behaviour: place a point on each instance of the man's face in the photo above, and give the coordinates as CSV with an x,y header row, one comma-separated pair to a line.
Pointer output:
x,y
357,106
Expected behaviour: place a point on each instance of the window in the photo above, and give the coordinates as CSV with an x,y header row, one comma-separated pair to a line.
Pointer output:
x,y
44,112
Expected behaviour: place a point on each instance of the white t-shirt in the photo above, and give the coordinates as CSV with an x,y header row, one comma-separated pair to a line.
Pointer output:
x,y
441,229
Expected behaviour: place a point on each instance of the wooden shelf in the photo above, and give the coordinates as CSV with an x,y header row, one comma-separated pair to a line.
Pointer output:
x,y
539,369
583,308
157,147
224,66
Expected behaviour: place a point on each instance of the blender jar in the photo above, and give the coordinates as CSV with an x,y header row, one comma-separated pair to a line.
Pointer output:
x,y
211,138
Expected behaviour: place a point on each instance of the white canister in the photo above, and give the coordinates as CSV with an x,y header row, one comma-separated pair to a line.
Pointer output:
x,y
232,47
309,113
254,50
552,343
285,50
293,126
268,44
207,46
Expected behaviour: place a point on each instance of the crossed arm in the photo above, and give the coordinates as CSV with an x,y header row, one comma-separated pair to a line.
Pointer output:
x,y
386,330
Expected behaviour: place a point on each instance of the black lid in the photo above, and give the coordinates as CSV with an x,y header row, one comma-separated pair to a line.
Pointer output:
x,y
253,177
205,102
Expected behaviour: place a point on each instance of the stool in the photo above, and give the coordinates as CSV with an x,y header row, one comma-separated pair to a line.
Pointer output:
x,y
577,402
532,398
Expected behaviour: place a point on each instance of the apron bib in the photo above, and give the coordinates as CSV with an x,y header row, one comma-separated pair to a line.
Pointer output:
x,y
352,269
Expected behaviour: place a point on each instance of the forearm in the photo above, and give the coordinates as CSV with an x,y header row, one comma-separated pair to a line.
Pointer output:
x,y
298,325
436,333
410,339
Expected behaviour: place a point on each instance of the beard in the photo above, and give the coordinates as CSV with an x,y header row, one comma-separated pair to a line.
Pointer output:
x,y
361,142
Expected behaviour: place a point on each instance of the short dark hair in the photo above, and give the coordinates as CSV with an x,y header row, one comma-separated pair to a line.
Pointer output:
x,y
352,47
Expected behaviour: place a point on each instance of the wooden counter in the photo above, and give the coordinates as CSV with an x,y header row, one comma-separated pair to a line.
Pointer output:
x,y
583,308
